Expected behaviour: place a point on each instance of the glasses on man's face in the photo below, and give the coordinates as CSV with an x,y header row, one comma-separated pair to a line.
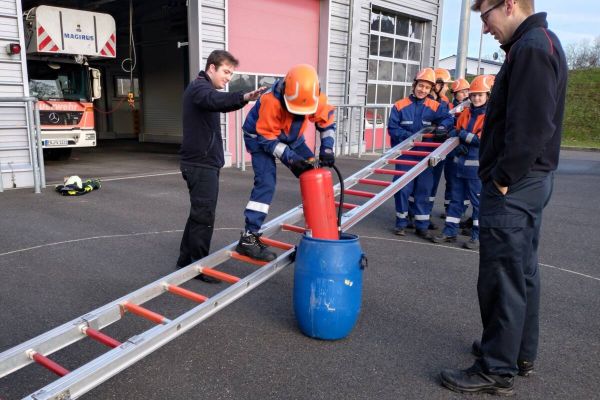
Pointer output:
x,y
485,15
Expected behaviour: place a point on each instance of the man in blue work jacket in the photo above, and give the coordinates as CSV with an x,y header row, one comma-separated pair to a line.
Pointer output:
x,y
202,150
518,153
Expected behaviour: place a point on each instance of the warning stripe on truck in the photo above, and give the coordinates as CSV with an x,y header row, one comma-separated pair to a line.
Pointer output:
x,y
109,47
45,42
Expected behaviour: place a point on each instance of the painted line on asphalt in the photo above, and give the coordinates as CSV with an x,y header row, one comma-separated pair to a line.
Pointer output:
x,y
224,229
122,178
476,252
100,237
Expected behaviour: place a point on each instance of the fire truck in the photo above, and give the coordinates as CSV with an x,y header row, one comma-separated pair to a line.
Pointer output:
x,y
59,43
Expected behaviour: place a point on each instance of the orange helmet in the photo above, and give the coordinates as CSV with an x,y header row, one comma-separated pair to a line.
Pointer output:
x,y
481,84
427,75
492,80
302,91
442,74
459,84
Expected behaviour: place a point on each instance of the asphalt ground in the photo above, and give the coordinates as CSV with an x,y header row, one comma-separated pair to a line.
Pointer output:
x,y
61,257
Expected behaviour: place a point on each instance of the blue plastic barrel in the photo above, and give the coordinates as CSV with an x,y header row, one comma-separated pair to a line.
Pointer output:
x,y
328,286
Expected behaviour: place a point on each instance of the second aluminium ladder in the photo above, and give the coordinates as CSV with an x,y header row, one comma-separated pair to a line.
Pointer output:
x,y
73,384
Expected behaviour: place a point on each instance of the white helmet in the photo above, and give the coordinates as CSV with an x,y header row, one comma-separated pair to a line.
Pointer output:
x,y
73,180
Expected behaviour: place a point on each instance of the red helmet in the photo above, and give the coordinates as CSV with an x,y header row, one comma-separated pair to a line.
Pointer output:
x,y
427,75
302,91
442,74
481,84
459,84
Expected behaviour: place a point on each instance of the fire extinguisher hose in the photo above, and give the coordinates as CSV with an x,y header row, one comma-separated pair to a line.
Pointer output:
x,y
341,180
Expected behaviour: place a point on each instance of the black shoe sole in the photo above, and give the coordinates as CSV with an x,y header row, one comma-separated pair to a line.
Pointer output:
x,y
451,239
489,390
207,279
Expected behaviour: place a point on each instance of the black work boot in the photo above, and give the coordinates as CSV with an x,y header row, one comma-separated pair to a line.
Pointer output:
x,y
475,380
525,367
443,238
251,246
202,277
423,233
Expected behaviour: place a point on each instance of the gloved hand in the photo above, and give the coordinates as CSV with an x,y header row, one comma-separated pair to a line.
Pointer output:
x,y
326,157
440,134
300,166
462,150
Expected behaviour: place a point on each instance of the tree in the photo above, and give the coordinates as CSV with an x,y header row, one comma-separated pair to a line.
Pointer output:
x,y
584,54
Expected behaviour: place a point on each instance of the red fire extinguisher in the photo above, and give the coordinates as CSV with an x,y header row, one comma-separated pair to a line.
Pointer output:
x,y
320,216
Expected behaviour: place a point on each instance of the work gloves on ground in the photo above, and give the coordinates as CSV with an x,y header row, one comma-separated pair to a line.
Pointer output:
x,y
299,165
326,157
440,134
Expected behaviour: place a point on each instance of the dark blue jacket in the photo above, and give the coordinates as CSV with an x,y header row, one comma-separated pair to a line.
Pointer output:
x,y
202,144
523,123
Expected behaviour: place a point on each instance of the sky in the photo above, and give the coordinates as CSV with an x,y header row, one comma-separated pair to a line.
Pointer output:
x,y
571,20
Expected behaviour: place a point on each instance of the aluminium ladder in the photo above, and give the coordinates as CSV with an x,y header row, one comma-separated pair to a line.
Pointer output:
x,y
73,384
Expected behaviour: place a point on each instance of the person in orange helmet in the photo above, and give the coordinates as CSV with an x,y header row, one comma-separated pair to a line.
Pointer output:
x,y
274,129
466,183
408,116
460,92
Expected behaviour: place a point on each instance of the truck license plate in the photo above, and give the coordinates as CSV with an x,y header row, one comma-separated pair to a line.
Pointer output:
x,y
56,142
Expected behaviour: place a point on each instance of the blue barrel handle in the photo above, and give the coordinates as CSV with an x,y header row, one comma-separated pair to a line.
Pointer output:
x,y
364,263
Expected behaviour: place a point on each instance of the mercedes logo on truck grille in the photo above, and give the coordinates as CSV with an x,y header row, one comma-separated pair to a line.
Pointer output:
x,y
54,118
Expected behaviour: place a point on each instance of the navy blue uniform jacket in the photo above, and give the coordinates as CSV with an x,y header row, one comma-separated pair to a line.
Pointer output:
x,y
202,145
523,123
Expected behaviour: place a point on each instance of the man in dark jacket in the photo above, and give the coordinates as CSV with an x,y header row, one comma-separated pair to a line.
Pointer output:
x,y
518,153
202,150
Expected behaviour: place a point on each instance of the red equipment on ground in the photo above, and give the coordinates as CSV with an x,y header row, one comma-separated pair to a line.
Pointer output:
x,y
320,215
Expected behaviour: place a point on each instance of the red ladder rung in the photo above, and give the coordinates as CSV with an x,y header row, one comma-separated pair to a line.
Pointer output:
x,y
415,153
188,294
388,172
222,276
48,363
101,337
427,144
403,162
144,313
360,193
292,228
428,136
247,259
347,206
375,182
276,243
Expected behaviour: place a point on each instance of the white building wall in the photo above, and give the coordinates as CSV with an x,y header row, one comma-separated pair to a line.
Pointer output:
x,y
490,68
15,158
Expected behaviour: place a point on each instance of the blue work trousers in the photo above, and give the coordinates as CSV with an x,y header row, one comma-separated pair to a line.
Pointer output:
x,y
462,189
265,179
508,286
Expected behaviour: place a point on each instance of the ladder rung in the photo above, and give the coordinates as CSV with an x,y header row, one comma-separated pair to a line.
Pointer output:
x,y
414,153
389,172
222,276
101,337
276,243
144,313
188,294
238,256
347,206
360,193
426,144
375,182
292,228
403,162
48,363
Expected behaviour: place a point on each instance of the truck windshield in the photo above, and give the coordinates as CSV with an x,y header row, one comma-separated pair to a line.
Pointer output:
x,y
63,82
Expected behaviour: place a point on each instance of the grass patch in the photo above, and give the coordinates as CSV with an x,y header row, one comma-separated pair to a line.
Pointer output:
x,y
581,127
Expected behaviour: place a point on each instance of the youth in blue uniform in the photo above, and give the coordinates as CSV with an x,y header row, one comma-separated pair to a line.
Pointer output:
x,y
274,129
407,117
465,182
